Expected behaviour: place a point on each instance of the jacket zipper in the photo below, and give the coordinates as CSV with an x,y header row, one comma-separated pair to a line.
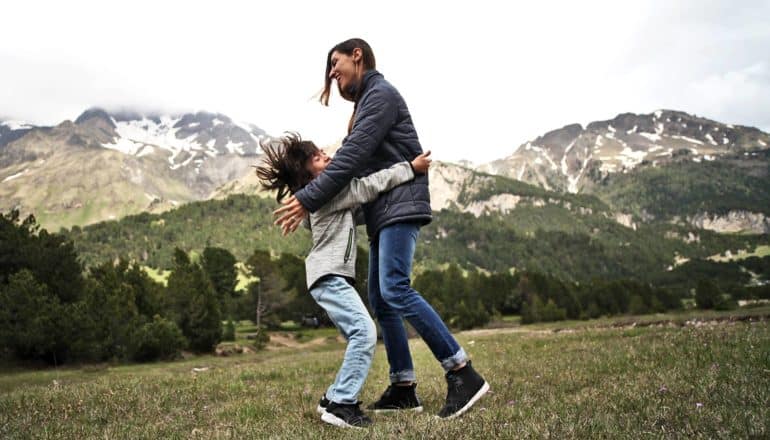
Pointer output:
x,y
350,245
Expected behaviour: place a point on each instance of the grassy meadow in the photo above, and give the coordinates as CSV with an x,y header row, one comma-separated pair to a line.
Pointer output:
x,y
671,376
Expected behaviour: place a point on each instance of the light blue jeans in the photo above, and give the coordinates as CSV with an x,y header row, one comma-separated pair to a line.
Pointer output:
x,y
348,313
393,300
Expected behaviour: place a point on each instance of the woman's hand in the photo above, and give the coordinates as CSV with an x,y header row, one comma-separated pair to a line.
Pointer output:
x,y
291,214
421,163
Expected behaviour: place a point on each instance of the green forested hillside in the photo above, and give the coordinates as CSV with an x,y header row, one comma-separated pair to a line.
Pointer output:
x,y
549,238
686,188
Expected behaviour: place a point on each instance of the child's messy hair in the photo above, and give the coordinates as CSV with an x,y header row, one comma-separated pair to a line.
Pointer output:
x,y
284,166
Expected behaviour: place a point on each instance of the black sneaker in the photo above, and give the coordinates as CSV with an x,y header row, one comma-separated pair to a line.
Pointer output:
x,y
322,404
345,416
397,398
464,387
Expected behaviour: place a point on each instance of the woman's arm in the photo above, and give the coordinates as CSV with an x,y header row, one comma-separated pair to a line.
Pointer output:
x,y
367,189
374,118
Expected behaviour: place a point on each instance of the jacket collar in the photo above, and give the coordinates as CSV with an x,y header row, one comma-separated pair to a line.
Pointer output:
x,y
366,81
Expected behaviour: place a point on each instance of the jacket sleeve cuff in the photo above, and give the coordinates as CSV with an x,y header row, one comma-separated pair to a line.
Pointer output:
x,y
305,201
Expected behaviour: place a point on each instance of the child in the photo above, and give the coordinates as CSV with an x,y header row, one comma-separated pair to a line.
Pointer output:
x,y
330,265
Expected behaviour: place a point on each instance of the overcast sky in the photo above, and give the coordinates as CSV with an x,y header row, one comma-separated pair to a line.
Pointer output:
x,y
479,77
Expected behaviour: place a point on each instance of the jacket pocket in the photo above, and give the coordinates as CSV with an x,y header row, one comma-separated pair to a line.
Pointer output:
x,y
349,248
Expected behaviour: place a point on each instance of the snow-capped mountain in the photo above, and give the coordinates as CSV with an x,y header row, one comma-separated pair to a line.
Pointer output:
x,y
110,164
106,165
189,138
568,158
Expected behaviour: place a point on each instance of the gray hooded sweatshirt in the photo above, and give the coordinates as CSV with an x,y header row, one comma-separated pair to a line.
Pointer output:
x,y
333,226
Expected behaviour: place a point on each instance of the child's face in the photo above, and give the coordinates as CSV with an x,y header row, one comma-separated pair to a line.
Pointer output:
x,y
317,164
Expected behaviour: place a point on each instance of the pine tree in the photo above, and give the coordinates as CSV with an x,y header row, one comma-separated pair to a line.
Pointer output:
x,y
707,294
193,304
219,265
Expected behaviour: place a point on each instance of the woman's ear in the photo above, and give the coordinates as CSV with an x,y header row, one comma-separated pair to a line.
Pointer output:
x,y
357,55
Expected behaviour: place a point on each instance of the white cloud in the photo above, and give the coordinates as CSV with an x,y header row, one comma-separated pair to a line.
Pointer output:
x,y
499,74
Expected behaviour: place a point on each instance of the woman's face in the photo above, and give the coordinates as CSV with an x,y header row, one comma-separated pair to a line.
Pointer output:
x,y
345,68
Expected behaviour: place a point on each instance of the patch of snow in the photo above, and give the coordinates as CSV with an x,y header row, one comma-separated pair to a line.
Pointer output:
x,y
611,128
13,176
564,158
730,126
136,133
217,121
658,113
211,153
725,141
696,159
147,149
659,128
631,131
688,139
16,125
655,148
653,137
711,139
211,143
232,147
709,158
521,172
538,161
599,141
762,143
608,167
124,145
573,180
193,124
630,158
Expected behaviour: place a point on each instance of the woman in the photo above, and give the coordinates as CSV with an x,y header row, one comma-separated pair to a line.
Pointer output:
x,y
380,134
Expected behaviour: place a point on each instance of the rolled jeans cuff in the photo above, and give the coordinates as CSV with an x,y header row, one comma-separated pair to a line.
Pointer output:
x,y
402,376
455,360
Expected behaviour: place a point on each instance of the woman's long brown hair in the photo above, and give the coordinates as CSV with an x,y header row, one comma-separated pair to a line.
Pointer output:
x,y
367,60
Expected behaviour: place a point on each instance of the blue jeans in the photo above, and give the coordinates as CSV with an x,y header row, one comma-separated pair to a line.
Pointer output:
x,y
392,299
347,311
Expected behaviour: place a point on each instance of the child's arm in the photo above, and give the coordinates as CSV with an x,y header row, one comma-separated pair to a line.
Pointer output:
x,y
367,188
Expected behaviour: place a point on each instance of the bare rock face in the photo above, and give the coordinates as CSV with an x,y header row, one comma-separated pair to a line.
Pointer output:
x,y
732,222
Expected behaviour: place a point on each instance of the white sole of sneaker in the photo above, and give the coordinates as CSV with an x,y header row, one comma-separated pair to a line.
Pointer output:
x,y
417,409
320,409
336,421
483,390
